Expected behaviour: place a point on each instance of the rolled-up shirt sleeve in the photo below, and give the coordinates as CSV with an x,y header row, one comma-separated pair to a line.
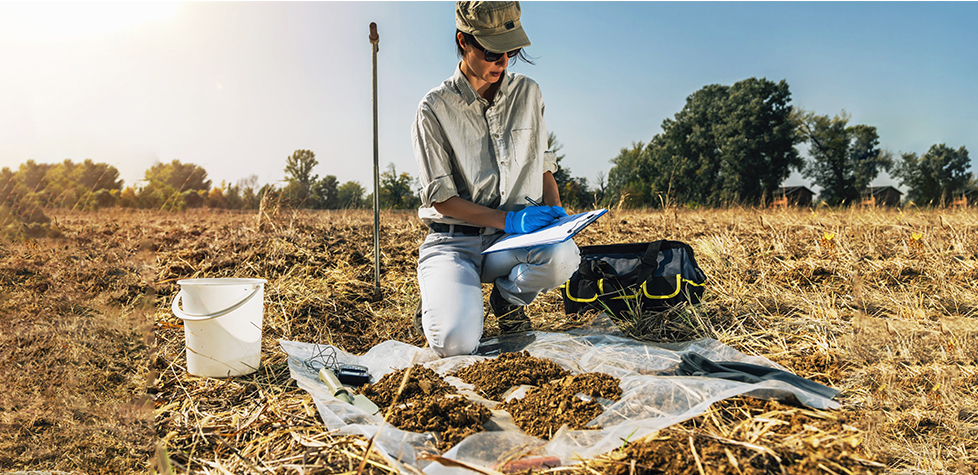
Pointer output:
x,y
434,156
550,161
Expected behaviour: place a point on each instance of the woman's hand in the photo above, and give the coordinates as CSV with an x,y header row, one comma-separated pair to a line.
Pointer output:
x,y
531,218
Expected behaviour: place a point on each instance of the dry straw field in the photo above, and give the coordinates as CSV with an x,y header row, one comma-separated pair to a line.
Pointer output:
x,y
881,304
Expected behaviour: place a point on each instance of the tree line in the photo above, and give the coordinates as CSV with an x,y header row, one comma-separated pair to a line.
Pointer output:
x,y
737,144
729,145
176,186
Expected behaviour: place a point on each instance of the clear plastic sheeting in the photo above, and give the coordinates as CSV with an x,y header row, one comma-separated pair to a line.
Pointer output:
x,y
652,397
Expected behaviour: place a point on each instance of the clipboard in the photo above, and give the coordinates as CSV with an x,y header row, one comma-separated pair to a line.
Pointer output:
x,y
560,231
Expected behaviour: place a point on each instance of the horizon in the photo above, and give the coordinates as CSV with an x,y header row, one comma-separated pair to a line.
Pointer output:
x,y
237,87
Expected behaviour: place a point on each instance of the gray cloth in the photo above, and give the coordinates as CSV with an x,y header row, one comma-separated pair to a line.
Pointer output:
x,y
694,364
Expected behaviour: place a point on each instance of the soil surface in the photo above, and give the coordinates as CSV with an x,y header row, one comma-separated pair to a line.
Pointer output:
x,y
894,326
426,403
594,385
422,384
495,376
553,401
543,410
450,417
694,446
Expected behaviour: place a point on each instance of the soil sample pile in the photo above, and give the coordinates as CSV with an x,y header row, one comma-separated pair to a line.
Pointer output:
x,y
595,385
422,384
546,408
553,402
495,376
427,404
451,418
749,437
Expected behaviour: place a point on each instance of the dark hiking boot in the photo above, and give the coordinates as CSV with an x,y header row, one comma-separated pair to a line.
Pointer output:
x,y
511,318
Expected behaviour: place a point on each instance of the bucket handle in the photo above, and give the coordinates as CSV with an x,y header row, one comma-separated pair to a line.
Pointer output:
x,y
196,318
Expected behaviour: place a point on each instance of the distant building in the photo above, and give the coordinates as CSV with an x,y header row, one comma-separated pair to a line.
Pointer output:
x,y
964,199
882,196
793,196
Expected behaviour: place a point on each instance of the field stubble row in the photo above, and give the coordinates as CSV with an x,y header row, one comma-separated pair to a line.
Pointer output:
x,y
879,303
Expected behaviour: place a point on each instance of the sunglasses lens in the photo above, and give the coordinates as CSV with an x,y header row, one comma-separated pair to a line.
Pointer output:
x,y
493,57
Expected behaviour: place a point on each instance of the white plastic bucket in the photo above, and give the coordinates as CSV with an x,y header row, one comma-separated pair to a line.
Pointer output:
x,y
222,324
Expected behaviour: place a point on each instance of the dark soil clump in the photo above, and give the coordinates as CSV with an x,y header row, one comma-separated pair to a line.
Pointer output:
x,y
594,385
495,376
427,404
545,409
451,417
422,384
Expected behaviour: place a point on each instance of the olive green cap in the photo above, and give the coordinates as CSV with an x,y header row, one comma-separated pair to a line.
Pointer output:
x,y
495,25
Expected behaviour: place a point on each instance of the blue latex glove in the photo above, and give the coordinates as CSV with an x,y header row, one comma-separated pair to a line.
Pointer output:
x,y
531,218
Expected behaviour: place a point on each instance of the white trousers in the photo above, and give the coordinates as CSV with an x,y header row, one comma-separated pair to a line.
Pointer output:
x,y
451,269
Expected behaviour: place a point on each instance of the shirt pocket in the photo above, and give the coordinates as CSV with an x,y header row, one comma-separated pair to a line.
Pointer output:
x,y
524,145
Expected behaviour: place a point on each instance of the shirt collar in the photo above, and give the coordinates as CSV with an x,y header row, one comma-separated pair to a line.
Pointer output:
x,y
468,92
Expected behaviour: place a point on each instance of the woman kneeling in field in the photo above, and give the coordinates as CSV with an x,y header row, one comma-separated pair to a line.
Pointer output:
x,y
480,141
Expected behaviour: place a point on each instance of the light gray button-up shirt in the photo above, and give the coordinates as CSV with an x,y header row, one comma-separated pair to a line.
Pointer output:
x,y
494,155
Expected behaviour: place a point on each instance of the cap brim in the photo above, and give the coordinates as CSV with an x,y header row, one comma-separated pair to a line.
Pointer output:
x,y
509,41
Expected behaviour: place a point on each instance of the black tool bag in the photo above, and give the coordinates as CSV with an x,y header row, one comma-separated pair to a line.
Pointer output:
x,y
635,278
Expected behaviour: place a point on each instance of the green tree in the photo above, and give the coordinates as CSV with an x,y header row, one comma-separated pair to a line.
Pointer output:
x,y
728,144
31,174
178,176
6,183
170,185
756,140
397,190
296,196
936,176
844,159
88,185
298,168
57,189
243,194
96,176
325,193
629,177
64,185
350,195
868,159
298,171
575,194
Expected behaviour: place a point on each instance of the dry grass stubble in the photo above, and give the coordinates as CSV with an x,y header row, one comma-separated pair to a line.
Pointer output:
x,y
878,303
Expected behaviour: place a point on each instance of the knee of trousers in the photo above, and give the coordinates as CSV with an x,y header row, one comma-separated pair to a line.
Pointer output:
x,y
456,336
564,261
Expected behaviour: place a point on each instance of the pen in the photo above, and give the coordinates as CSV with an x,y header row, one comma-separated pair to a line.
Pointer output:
x,y
534,203
581,226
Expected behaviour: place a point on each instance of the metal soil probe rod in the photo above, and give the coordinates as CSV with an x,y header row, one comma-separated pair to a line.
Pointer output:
x,y
375,42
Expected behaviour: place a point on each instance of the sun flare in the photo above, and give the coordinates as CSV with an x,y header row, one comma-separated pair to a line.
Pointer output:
x,y
61,21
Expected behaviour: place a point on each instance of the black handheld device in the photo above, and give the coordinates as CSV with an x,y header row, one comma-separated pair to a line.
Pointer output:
x,y
354,375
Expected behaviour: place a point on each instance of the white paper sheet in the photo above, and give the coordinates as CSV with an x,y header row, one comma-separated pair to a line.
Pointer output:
x,y
560,231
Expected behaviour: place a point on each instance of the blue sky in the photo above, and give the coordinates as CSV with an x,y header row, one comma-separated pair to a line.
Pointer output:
x,y
236,87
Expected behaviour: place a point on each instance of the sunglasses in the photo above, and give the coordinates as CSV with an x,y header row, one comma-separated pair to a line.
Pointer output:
x,y
493,57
